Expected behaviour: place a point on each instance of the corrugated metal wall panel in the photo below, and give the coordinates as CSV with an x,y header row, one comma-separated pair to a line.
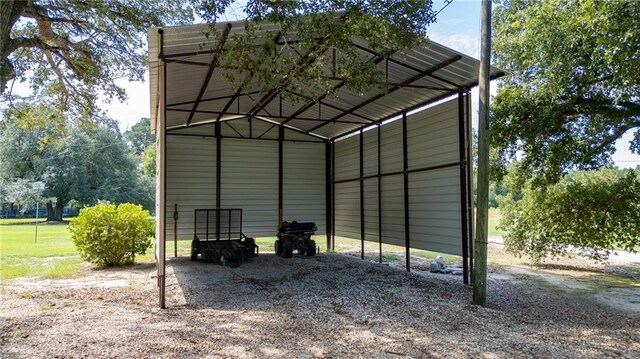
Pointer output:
x,y
370,152
393,209
347,158
391,147
371,209
432,136
347,209
191,180
434,195
304,183
434,210
250,181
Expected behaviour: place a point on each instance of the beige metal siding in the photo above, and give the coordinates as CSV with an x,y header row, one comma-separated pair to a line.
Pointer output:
x,y
347,157
250,181
370,152
391,147
434,195
304,183
347,209
434,210
432,136
347,196
191,180
371,209
393,210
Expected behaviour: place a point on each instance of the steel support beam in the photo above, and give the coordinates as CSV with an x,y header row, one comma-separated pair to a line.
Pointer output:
x,y
470,206
362,234
319,101
218,177
212,67
405,166
307,60
289,127
462,140
379,200
280,175
328,192
333,194
163,127
391,90
413,68
213,99
311,103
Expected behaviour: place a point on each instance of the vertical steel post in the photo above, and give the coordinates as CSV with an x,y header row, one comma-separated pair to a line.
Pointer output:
x,y
379,201
470,204
405,166
328,188
361,195
218,176
463,187
280,175
163,212
333,194
482,220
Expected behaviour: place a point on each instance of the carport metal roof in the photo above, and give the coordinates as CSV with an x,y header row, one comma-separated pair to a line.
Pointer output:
x,y
197,93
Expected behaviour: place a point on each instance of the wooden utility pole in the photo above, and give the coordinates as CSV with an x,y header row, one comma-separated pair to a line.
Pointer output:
x,y
482,217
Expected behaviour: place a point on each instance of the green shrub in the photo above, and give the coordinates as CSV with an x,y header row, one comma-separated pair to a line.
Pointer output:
x,y
590,213
107,235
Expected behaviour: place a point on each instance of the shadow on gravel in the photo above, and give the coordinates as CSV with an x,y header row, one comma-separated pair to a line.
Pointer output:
x,y
266,279
333,298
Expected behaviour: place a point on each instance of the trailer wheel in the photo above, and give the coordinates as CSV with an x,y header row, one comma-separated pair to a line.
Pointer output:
x,y
277,247
311,248
194,249
287,250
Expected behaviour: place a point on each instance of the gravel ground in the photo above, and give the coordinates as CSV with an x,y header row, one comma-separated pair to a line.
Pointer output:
x,y
328,306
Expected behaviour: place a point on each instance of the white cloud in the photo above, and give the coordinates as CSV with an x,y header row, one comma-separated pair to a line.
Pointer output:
x,y
466,43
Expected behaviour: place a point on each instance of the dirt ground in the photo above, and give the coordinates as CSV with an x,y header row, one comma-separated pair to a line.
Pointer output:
x,y
327,306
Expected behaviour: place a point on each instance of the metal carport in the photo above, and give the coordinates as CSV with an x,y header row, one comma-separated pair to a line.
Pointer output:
x,y
366,166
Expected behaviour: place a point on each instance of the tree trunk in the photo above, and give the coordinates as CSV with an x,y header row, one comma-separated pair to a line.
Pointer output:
x,y
54,213
58,210
50,213
10,11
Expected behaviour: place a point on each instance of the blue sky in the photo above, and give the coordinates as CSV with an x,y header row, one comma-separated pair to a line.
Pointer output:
x,y
457,27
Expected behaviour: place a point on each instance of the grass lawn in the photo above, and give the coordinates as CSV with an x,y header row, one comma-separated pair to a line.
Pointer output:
x,y
53,256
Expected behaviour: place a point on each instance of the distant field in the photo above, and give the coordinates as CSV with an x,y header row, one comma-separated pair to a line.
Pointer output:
x,y
494,221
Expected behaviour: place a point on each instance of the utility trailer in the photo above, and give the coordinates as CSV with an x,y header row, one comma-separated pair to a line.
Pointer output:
x,y
296,236
218,237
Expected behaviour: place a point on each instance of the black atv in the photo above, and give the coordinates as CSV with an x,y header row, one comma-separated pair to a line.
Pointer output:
x,y
296,236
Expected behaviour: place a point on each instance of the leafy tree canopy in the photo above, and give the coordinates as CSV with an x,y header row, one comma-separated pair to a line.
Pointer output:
x,y
591,213
572,86
70,51
81,163
308,29
67,50
139,136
